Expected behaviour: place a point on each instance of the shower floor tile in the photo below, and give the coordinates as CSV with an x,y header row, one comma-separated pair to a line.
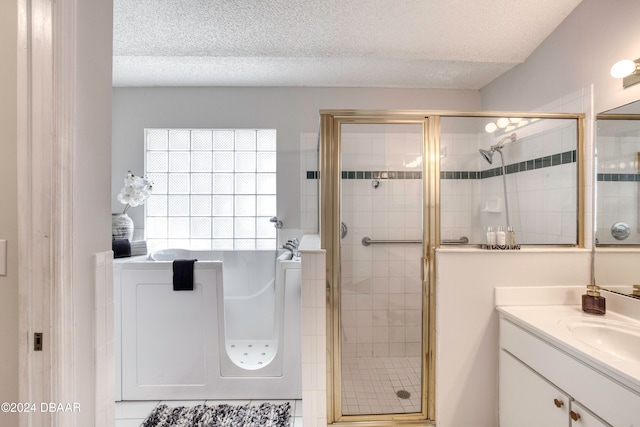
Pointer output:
x,y
371,385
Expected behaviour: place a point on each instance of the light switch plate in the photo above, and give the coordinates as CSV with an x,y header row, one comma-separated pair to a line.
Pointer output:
x,y
3,257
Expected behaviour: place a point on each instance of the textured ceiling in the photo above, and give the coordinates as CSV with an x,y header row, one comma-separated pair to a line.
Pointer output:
x,y
451,44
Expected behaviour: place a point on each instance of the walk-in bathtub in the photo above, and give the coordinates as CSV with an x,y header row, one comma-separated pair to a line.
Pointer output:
x,y
235,336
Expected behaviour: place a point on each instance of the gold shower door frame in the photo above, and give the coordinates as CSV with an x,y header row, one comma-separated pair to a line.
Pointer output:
x,y
330,176
330,197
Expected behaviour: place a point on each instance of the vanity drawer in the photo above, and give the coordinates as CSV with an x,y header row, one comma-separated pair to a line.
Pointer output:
x,y
610,400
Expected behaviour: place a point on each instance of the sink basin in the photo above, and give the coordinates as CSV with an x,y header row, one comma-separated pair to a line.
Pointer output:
x,y
618,339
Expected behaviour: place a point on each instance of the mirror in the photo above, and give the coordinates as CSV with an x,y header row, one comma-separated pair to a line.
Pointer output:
x,y
617,199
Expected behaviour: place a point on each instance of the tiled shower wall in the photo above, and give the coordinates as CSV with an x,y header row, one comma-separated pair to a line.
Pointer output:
x,y
618,185
381,285
309,184
105,361
460,198
314,333
541,184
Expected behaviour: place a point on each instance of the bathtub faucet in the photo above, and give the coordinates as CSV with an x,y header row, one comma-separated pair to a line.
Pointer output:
x,y
292,245
276,222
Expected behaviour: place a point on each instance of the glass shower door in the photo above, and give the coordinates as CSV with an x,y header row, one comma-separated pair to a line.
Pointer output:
x,y
381,285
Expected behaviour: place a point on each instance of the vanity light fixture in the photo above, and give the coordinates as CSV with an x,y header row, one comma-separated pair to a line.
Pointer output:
x,y
628,71
491,127
507,125
502,122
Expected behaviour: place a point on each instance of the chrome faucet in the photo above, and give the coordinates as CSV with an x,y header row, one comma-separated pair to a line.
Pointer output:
x,y
292,245
276,222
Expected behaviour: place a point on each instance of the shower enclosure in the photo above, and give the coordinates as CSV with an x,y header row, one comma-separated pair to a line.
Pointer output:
x,y
395,186
375,189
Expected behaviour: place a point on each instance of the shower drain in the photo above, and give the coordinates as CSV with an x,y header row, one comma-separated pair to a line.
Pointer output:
x,y
403,394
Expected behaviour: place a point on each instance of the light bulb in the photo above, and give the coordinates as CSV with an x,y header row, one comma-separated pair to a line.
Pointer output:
x,y
490,127
623,68
515,119
502,122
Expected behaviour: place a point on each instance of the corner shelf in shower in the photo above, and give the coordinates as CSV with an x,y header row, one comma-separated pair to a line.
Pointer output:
x,y
493,206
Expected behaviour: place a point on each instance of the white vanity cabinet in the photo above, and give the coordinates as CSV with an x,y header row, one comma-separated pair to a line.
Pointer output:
x,y
581,416
529,400
543,384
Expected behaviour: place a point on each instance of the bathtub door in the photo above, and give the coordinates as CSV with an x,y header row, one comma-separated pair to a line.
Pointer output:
x,y
169,338
379,332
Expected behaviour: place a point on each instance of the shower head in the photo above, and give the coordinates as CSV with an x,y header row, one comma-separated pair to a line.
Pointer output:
x,y
488,154
500,143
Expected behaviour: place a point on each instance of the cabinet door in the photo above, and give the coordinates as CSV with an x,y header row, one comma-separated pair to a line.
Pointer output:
x,y
582,417
527,399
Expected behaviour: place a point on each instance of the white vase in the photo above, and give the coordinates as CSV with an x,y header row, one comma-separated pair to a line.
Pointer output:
x,y
121,226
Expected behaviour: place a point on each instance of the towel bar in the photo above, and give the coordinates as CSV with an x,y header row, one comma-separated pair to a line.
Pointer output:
x,y
461,241
366,241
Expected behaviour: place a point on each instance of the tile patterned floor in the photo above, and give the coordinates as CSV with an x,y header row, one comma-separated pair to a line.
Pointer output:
x,y
133,413
370,384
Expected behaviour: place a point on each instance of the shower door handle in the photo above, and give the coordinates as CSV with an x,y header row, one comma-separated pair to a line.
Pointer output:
x,y
425,267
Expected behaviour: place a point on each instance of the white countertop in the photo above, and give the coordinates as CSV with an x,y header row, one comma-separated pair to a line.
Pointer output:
x,y
543,321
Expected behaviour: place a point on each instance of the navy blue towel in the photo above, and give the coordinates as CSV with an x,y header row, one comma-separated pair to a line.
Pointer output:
x,y
183,274
121,248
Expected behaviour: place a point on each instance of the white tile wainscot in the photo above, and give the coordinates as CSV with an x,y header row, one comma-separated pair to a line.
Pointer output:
x,y
104,343
314,333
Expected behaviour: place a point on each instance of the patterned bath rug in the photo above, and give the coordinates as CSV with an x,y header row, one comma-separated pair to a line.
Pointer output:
x,y
265,415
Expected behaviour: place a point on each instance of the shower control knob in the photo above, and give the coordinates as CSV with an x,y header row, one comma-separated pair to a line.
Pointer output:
x,y
620,230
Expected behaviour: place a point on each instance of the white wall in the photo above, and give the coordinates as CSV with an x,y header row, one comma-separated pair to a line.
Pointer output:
x,y
293,112
9,212
92,186
467,322
580,52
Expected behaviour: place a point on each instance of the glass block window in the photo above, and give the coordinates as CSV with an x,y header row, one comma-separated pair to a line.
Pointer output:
x,y
213,188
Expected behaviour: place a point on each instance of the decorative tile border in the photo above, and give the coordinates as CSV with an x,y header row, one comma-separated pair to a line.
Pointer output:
x,y
372,175
381,175
527,165
619,177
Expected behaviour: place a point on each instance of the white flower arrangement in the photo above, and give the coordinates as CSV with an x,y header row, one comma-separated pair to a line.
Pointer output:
x,y
136,190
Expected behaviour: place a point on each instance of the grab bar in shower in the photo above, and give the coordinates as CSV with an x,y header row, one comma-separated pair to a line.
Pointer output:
x,y
367,241
461,241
